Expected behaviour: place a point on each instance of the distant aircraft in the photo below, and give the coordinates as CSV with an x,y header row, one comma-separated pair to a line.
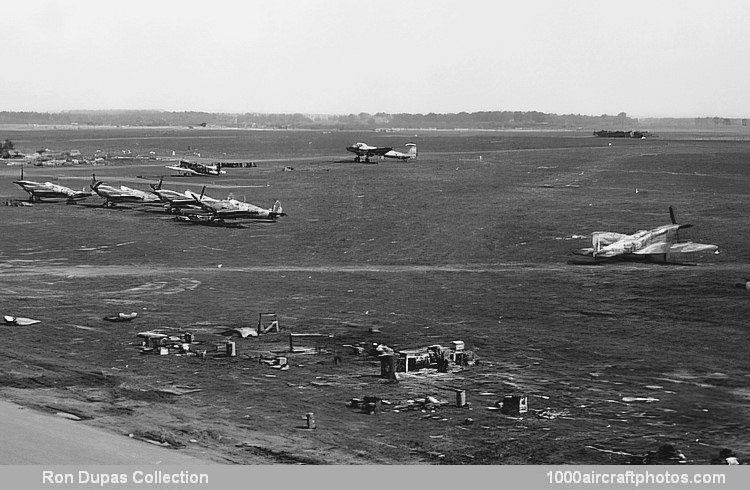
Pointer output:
x,y
656,245
410,153
113,195
367,151
193,168
47,190
219,210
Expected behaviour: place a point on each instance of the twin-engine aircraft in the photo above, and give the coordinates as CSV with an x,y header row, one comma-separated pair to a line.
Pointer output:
x,y
656,245
367,151
47,190
194,168
117,195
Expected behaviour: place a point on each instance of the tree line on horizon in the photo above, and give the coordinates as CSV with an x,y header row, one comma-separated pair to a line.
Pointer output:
x,y
363,121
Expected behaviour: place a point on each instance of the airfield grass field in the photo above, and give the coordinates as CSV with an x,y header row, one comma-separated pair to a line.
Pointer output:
x,y
469,242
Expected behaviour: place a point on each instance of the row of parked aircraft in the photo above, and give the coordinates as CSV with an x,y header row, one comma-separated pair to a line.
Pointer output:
x,y
188,205
656,245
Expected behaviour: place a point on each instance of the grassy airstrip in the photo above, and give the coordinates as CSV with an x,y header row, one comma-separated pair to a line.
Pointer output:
x,y
449,247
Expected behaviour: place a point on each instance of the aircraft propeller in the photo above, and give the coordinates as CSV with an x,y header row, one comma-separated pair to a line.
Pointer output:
x,y
674,221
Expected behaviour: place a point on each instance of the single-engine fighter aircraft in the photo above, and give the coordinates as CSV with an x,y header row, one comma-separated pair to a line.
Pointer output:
x,y
47,190
193,168
410,153
173,200
218,210
113,195
657,245
367,151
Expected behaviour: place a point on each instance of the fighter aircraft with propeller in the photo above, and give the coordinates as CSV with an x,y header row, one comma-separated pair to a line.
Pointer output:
x,y
173,200
215,211
367,151
655,245
117,195
47,190
193,168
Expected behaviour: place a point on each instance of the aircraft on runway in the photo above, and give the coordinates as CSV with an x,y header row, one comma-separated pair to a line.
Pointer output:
x,y
193,168
367,151
47,190
656,245
218,210
410,153
113,195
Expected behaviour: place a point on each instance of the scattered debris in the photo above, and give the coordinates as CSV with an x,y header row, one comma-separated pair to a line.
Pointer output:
x,y
278,362
608,451
267,322
666,454
18,320
242,332
121,317
551,414
369,404
431,357
163,344
68,416
726,456
318,336
514,404
179,390
647,399
460,398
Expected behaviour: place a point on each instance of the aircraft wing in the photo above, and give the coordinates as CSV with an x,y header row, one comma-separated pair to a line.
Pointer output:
x,y
604,238
379,151
183,169
655,248
689,247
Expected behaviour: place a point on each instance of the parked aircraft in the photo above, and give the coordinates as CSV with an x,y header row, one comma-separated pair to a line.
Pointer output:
x,y
656,245
219,210
194,168
367,151
113,195
410,153
47,190
173,200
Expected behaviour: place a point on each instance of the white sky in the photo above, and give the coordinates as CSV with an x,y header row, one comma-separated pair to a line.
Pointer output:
x,y
648,58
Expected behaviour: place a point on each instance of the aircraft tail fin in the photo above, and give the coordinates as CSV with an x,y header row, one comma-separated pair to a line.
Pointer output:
x,y
156,187
412,151
277,209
